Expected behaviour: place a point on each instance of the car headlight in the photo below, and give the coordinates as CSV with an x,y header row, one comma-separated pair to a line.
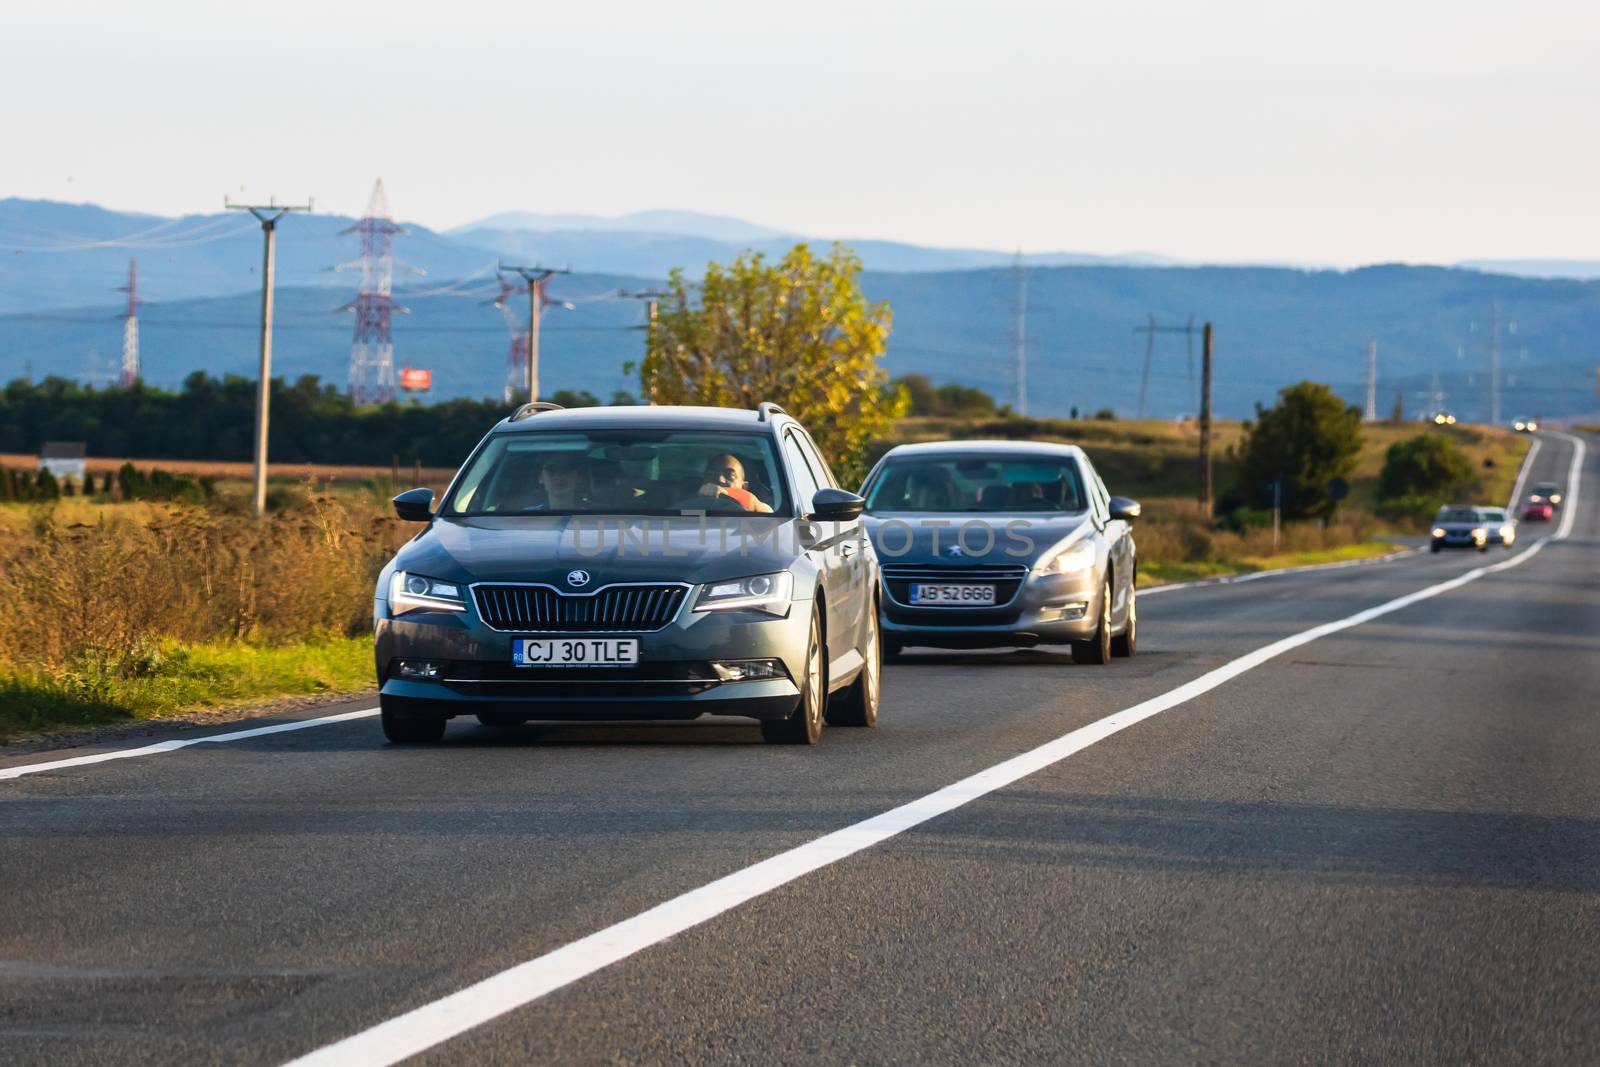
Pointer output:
x,y
770,593
1080,557
1438,531
1555,498
413,592
1480,533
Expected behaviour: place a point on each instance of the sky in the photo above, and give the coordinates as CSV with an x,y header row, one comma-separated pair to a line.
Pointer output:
x,y
1333,133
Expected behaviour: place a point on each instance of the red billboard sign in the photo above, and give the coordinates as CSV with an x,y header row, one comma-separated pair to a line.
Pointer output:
x,y
417,381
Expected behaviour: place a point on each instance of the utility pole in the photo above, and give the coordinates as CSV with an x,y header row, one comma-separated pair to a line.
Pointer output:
x,y
268,215
652,304
1022,336
535,277
1372,380
1205,423
1494,363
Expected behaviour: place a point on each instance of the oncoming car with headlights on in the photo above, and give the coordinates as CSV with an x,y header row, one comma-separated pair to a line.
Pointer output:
x,y
633,563
987,544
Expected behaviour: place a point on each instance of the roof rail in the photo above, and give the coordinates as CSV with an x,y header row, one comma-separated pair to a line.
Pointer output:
x,y
527,411
767,410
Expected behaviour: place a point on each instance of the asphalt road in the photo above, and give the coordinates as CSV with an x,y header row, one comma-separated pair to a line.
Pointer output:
x,y
1382,845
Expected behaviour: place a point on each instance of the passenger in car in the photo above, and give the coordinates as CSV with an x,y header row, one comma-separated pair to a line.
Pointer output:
x,y
561,477
725,477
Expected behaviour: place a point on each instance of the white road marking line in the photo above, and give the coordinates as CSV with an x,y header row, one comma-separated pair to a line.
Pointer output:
x,y
173,746
1522,476
422,1028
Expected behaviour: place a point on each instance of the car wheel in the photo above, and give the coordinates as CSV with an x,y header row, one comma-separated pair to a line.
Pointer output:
x,y
1484,547
412,730
858,705
1436,548
1127,642
1098,648
804,726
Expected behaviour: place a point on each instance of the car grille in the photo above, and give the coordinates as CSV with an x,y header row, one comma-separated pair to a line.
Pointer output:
x,y
629,608
1006,579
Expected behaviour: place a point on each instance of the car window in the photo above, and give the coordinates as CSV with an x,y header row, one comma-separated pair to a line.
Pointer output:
x,y
805,480
1494,515
825,476
957,482
621,471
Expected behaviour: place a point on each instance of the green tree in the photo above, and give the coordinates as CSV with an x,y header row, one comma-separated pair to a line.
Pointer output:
x,y
1309,438
1420,474
950,400
797,332
46,487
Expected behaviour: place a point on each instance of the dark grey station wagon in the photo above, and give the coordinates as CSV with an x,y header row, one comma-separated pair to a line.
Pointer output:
x,y
633,563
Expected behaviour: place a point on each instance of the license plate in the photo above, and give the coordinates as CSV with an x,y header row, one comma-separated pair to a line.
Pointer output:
x,y
960,595
574,652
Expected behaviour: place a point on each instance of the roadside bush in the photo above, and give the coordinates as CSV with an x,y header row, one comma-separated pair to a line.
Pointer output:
x,y
164,485
1425,465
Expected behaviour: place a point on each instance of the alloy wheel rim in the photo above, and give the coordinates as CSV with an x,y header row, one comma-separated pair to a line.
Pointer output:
x,y
874,661
814,683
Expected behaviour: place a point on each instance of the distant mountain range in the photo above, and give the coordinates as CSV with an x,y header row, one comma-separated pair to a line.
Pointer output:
x,y
955,312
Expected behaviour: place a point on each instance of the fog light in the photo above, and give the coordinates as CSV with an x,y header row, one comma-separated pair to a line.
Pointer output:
x,y
420,668
749,670
1075,611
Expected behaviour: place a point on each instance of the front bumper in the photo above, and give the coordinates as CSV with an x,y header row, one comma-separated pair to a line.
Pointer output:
x,y
672,680
1046,610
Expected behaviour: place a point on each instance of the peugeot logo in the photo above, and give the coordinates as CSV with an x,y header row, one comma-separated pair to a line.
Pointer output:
x,y
954,550
578,578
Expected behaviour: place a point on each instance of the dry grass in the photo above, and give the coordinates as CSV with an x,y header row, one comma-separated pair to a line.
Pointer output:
x,y
319,472
96,589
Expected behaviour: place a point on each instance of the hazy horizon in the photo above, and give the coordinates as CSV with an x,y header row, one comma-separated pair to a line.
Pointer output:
x,y
1243,132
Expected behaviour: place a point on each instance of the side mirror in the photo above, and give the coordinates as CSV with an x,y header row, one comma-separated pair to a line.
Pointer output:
x,y
1125,509
414,505
835,505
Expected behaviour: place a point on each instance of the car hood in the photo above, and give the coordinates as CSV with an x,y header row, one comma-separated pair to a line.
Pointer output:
x,y
1461,527
610,548
928,538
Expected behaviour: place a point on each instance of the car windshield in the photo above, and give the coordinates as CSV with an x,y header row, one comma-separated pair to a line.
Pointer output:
x,y
1546,488
966,483
1494,515
621,472
1458,515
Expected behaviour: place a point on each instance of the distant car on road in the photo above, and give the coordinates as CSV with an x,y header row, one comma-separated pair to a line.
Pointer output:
x,y
1500,527
639,563
1442,418
987,544
1538,512
1525,424
1460,526
1545,493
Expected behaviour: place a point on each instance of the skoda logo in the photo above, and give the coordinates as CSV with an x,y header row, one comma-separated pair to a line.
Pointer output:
x,y
954,550
578,578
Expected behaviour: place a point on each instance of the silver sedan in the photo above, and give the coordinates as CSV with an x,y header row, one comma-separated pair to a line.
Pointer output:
x,y
989,544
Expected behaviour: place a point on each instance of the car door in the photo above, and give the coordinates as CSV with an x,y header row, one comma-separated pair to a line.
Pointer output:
x,y
853,546
1119,545
823,549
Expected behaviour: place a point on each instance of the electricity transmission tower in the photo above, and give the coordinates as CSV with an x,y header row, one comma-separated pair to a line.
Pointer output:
x,y
1372,380
1150,329
517,354
372,349
130,327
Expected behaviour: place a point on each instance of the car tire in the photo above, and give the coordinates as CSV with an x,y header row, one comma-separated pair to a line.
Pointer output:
x,y
1098,648
858,705
1484,547
1435,548
804,725
412,729
1127,642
